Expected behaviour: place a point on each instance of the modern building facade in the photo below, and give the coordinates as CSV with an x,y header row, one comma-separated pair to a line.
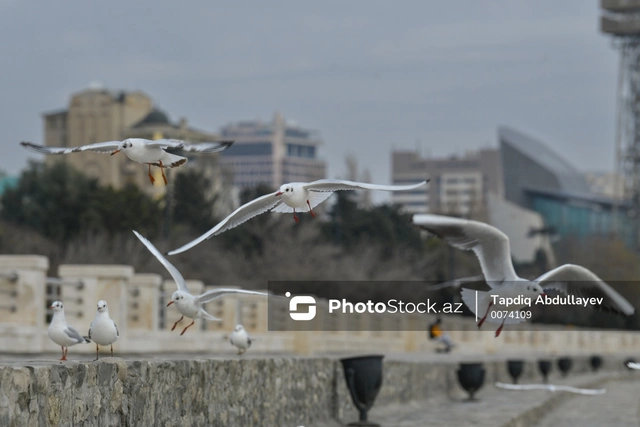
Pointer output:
x,y
458,185
97,114
536,178
271,153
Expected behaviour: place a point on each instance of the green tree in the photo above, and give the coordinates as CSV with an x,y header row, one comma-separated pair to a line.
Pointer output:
x,y
191,204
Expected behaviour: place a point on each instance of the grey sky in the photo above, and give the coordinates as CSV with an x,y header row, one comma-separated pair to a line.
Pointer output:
x,y
368,75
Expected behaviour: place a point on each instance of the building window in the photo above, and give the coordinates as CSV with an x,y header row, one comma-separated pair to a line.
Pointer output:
x,y
305,151
249,149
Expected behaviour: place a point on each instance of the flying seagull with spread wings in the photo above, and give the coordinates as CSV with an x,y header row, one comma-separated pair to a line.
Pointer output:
x,y
139,150
491,247
190,305
303,196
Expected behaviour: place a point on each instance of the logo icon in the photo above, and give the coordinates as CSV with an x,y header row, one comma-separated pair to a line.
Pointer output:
x,y
301,300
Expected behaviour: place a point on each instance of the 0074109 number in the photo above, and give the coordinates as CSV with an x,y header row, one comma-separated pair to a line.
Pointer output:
x,y
506,314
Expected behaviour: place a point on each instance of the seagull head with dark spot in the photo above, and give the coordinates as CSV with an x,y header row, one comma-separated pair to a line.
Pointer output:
x,y
102,306
285,190
124,145
177,297
57,306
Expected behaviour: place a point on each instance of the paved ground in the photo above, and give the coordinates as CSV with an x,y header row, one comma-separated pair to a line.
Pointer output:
x,y
619,407
497,407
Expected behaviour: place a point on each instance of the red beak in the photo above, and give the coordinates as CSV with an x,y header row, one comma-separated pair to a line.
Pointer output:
x,y
543,294
115,152
170,302
51,307
279,193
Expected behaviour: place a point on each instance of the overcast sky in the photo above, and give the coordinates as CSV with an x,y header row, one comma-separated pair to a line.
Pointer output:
x,y
369,75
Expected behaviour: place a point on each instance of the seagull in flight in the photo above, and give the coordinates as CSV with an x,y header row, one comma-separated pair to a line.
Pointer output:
x,y
491,247
190,305
551,387
139,150
303,196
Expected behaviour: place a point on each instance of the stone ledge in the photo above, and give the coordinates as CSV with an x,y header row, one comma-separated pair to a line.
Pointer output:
x,y
97,271
24,262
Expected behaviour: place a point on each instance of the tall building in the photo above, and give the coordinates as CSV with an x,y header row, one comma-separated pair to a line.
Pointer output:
x,y
537,178
459,185
271,153
97,114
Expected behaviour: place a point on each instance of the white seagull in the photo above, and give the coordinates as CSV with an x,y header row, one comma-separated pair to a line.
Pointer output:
x,y
139,150
551,387
61,333
190,305
240,338
303,196
103,329
492,249
633,365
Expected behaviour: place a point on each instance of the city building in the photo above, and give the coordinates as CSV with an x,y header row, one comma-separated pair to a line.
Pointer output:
x,y
271,153
538,179
97,114
458,186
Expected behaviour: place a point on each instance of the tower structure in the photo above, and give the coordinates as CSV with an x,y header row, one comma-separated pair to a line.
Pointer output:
x,y
621,19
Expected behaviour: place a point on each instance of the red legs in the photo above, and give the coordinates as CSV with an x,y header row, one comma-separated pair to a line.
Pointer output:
x,y
310,211
111,350
500,328
190,324
295,217
64,353
485,315
151,178
97,351
176,324
163,175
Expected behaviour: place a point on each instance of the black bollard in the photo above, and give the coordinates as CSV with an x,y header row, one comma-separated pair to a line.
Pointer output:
x,y
471,378
545,367
515,368
364,378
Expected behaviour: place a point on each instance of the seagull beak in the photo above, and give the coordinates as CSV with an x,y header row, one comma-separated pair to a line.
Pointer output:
x,y
543,294
115,152
51,307
170,302
279,193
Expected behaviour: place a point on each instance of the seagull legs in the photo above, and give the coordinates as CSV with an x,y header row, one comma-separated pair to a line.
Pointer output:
x,y
64,353
111,350
190,324
163,175
151,178
485,315
500,328
176,324
97,351
295,217
310,210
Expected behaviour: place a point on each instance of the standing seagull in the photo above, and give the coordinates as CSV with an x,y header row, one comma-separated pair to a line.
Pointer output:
x,y
103,330
303,196
190,305
240,338
61,333
139,150
492,249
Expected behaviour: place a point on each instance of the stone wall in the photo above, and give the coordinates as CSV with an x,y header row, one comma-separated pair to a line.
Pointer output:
x,y
217,392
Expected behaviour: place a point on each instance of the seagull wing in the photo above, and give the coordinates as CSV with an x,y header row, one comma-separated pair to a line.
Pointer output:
x,y
207,147
217,293
73,334
242,214
177,277
490,245
340,184
99,147
634,365
579,281
587,391
164,143
521,387
116,326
